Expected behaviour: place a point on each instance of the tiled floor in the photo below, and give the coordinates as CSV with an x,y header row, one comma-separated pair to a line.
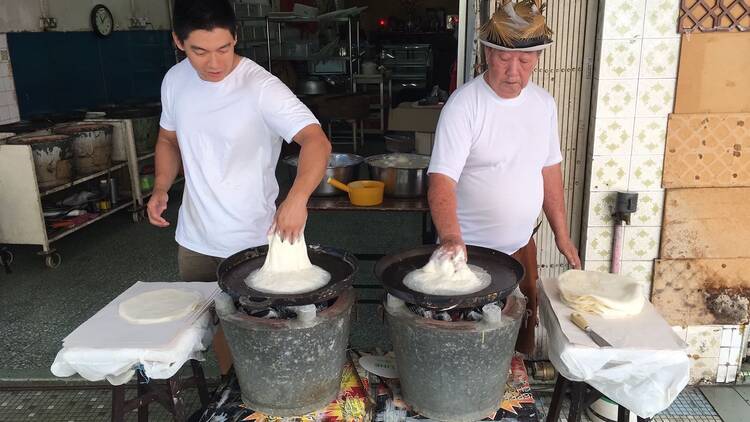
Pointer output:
x,y
74,406
690,406
91,405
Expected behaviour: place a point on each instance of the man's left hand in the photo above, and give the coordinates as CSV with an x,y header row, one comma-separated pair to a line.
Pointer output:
x,y
289,221
568,249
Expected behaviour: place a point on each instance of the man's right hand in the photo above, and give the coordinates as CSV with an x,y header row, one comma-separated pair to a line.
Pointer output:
x,y
156,206
451,247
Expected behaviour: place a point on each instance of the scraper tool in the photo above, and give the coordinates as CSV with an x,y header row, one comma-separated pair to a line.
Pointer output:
x,y
581,323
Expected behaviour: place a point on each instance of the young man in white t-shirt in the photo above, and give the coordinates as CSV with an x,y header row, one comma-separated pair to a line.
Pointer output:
x,y
496,160
223,120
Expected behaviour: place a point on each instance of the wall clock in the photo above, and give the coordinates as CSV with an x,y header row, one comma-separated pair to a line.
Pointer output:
x,y
102,21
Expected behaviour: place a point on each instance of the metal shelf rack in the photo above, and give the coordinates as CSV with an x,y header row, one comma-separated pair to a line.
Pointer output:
x,y
350,17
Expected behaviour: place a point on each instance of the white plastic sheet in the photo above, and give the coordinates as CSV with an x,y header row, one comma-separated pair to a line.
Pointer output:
x,y
644,371
102,349
118,365
107,330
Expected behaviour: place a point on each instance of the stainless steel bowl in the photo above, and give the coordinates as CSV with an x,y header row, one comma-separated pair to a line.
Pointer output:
x,y
342,167
400,182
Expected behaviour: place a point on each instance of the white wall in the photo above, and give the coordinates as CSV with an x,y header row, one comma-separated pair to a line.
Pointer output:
x,y
73,15
8,103
635,74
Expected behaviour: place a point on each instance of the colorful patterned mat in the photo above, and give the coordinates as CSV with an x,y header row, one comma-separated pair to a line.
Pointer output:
x,y
351,405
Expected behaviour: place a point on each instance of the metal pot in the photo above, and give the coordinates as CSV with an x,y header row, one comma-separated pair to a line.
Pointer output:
x,y
53,158
453,371
92,146
400,182
145,126
288,367
342,167
311,87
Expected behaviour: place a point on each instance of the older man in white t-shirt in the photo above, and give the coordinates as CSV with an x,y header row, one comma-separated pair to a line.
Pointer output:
x,y
496,160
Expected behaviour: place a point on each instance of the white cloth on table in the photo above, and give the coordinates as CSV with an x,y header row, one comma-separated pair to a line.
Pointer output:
x,y
117,364
644,371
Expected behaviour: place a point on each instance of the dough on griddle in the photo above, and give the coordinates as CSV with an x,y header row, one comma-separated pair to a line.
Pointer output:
x,y
287,269
609,295
448,277
158,306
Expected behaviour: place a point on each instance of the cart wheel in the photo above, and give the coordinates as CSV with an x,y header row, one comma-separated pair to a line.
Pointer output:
x,y
6,257
53,260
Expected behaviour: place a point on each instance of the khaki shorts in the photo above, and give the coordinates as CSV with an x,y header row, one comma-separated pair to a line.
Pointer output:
x,y
194,266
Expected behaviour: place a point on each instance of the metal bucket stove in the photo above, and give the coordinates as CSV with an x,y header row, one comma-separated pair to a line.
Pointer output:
x,y
453,370
287,367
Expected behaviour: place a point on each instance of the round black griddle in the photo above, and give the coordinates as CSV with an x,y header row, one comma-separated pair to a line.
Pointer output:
x,y
233,271
505,271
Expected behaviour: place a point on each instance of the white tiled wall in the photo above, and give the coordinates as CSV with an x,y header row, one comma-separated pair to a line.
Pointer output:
x,y
635,73
714,352
8,103
635,76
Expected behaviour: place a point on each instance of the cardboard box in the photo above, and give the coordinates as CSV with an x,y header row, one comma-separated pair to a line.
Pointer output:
x,y
414,118
423,142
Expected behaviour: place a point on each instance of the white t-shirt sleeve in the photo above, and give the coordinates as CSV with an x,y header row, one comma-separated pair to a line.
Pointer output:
x,y
452,140
167,117
282,111
553,156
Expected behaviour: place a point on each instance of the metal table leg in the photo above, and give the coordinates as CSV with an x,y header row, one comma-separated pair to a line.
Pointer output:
x,y
623,414
170,395
200,382
557,397
142,390
577,396
118,403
